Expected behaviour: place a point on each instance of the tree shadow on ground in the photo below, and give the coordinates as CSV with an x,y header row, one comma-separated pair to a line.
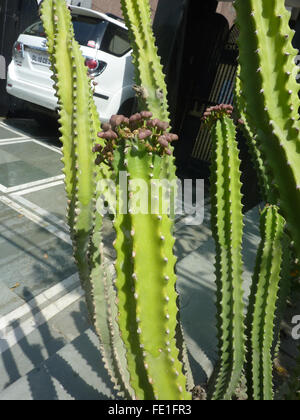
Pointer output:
x,y
57,366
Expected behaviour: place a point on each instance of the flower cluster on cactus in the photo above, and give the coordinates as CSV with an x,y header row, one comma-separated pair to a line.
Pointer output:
x,y
138,129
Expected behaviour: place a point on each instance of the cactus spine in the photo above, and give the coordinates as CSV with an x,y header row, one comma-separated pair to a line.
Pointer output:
x,y
270,92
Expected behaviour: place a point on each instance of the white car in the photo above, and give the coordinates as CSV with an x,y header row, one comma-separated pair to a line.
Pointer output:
x,y
104,44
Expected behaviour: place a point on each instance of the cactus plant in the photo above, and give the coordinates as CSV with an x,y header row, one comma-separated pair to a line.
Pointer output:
x,y
148,365
145,274
149,77
272,260
76,112
227,227
136,315
272,265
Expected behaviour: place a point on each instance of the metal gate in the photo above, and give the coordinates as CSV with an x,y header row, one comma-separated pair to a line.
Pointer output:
x,y
222,92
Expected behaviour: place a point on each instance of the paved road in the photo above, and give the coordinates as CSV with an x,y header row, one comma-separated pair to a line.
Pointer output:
x,y
44,332
48,350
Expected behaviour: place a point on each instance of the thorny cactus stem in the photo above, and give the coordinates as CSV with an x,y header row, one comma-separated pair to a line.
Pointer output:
x,y
150,81
267,189
150,86
270,91
145,307
79,124
272,261
147,312
227,229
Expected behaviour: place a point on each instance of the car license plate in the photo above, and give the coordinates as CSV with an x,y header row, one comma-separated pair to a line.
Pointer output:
x,y
39,58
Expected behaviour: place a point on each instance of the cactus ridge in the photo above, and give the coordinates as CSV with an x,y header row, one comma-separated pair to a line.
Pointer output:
x,y
149,73
58,41
271,258
63,66
270,90
227,226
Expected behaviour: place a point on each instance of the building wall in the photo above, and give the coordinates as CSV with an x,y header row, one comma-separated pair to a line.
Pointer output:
x,y
113,6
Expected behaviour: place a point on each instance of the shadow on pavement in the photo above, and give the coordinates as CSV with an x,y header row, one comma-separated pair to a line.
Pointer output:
x,y
31,128
57,373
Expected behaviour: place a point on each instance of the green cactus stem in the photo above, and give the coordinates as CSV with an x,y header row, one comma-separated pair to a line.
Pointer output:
x,y
270,91
227,228
272,257
149,77
79,124
267,189
146,295
151,87
72,89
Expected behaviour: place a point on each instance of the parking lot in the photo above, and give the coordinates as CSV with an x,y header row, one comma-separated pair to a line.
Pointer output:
x,y
48,349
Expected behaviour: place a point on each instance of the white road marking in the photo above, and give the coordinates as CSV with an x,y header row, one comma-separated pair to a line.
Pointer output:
x,y
6,142
14,140
44,305
38,301
26,139
42,212
7,127
53,148
10,338
32,184
37,219
38,188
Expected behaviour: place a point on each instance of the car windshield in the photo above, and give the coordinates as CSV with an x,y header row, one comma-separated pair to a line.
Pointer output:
x,y
106,36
